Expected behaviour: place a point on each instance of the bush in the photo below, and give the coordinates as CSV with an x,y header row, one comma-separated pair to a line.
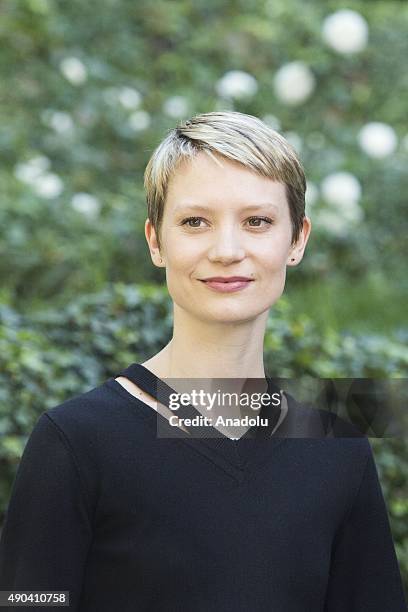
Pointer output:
x,y
52,355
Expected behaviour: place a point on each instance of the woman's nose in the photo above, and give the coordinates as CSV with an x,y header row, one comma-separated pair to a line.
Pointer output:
x,y
227,246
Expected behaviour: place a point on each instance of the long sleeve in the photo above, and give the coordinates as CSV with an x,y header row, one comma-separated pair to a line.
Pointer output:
x,y
47,531
364,571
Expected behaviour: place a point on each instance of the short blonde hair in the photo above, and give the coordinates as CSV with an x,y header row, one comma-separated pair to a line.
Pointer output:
x,y
238,137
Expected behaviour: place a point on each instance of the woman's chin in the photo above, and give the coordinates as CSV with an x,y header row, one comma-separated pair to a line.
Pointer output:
x,y
229,315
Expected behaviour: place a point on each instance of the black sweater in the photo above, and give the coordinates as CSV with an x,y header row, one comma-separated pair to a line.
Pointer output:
x,y
125,520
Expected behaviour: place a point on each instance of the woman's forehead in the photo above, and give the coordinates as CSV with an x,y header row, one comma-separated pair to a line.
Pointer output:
x,y
201,181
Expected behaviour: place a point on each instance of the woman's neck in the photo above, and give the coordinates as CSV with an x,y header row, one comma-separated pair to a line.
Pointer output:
x,y
208,350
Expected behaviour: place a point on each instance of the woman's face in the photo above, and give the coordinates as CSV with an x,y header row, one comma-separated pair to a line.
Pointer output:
x,y
224,221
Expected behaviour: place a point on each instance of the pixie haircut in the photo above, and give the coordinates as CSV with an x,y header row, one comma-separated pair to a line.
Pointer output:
x,y
237,137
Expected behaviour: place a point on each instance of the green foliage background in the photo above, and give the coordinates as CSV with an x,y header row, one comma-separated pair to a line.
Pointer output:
x,y
76,284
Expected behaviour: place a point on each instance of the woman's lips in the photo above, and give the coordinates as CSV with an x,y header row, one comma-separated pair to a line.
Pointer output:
x,y
227,287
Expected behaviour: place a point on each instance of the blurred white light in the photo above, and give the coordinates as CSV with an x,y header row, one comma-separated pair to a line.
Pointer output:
x,y
236,84
176,107
86,204
294,83
29,171
139,120
332,222
129,97
351,211
294,139
341,188
377,139
311,195
345,31
60,121
48,185
73,70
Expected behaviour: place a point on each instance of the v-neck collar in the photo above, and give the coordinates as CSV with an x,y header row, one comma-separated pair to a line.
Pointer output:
x,y
233,455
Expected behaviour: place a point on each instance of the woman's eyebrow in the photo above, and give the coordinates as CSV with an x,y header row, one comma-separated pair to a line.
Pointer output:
x,y
268,205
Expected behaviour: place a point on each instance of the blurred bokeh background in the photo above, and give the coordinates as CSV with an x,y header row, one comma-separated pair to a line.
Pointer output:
x,y
88,89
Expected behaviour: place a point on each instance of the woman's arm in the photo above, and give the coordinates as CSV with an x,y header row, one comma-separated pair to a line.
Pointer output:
x,y
364,573
47,531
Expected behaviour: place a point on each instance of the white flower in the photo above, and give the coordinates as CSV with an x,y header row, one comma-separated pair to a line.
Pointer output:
x,y
345,31
377,139
29,171
48,185
129,97
34,173
236,84
351,211
60,121
272,121
176,107
311,195
73,70
332,222
86,204
294,139
294,83
341,188
139,120
341,191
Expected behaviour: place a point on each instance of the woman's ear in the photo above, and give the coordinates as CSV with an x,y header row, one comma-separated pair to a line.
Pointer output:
x,y
296,251
154,248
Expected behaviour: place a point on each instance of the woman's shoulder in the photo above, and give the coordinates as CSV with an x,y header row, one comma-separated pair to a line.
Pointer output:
x,y
325,433
83,416
305,420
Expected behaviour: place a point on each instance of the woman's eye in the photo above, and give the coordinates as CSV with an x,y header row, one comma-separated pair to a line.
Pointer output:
x,y
195,221
187,221
266,219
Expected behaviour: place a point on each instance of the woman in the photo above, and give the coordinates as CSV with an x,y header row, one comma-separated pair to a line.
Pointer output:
x,y
127,515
